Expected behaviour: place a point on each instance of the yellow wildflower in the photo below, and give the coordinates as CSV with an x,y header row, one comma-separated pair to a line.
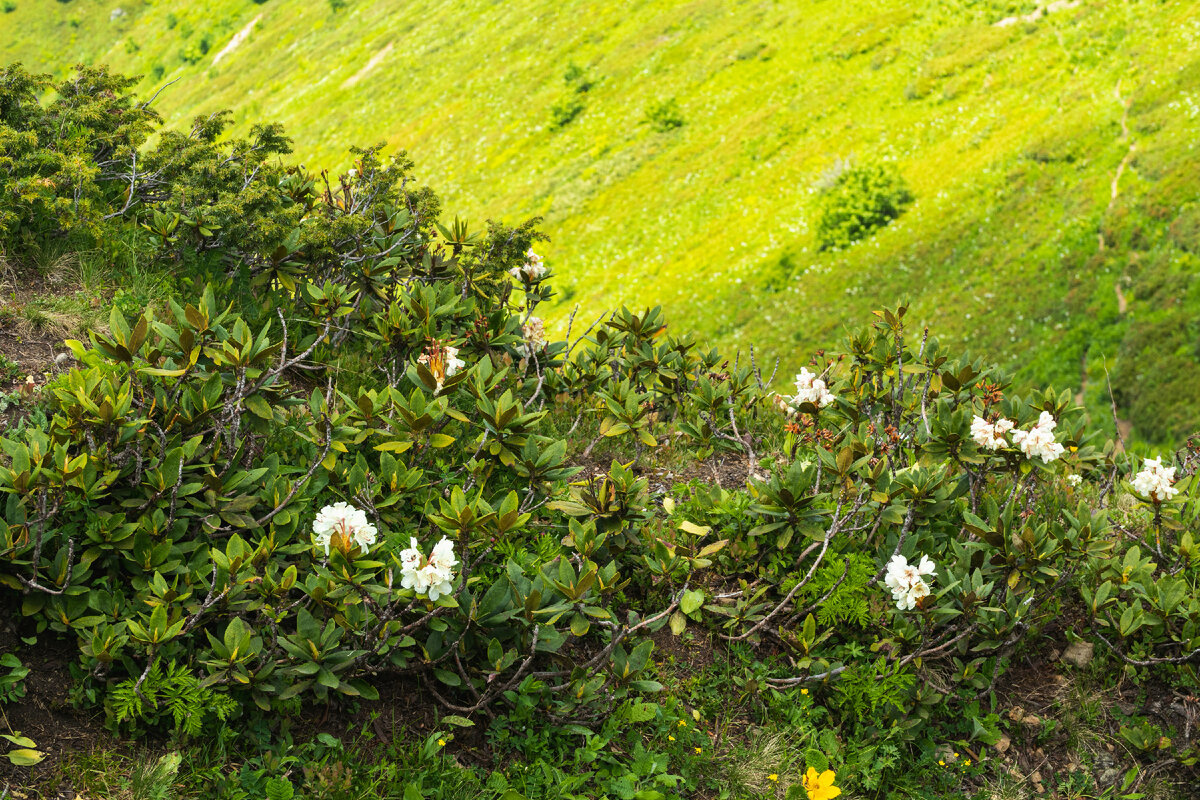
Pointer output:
x,y
699,750
441,742
773,777
804,691
670,738
820,787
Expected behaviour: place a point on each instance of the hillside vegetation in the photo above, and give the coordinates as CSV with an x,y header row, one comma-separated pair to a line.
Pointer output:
x,y
677,153
316,507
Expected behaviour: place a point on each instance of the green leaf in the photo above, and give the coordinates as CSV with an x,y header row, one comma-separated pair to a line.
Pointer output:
x,y
259,407
279,789
26,757
643,712
447,677
691,601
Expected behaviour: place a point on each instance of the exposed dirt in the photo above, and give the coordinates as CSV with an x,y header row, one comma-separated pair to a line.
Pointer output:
x,y
686,655
727,471
45,714
25,348
1063,729
405,710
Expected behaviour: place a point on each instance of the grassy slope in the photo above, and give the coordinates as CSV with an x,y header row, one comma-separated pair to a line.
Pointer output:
x,y
1009,136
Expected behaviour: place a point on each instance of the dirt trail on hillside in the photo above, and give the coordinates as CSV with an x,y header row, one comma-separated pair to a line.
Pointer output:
x,y
236,41
370,65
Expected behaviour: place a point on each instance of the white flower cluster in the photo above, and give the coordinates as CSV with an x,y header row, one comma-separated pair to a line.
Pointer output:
x,y
534,333
344,527
1075,480
811,389
443,362
905,581
532,270
1039,440
1154,481
989,435
433,576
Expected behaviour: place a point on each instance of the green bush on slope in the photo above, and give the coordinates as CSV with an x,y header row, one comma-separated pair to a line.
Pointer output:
x,y
860,201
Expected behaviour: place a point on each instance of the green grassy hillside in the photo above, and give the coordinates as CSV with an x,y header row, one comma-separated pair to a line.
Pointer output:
x,y
1056,226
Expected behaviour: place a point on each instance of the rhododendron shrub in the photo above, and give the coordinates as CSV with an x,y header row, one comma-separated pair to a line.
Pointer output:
x,y
918,474
363,456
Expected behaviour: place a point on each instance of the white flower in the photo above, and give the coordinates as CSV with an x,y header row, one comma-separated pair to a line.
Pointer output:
x,y
434,576
1154,481
1039,440
453,362
905,580
532,270
443,555
534,334
1074,480
811,389
988,435
410,557
343,526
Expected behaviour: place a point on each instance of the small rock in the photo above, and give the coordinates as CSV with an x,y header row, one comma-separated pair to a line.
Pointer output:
x,y
1079,654
1053,655
1002,745
1023,717
63,359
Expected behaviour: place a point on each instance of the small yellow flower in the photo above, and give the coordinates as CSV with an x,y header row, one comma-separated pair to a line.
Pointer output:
x,y
670,738
683,723
941,763
441,742
773,778
699,749
967,763
820,787
956,755
804,691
